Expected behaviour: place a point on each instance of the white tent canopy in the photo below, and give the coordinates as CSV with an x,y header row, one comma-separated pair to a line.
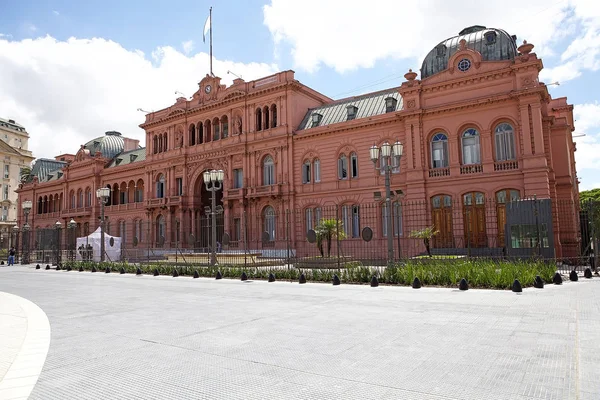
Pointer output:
x,y
112,253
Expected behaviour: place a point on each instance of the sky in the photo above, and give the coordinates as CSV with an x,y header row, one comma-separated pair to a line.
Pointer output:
x,y
71,70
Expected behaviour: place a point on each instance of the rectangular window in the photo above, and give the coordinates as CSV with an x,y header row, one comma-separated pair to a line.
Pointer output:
x,y
309,219
139,195
318,215
317,170
89,199
5,192
306,172
179,182
238,178
346,220
439,151
269,174
4,213
354,166
355,221
160,190
6,171
343,168
216,132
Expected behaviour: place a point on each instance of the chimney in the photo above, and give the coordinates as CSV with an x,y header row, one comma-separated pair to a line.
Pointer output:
x,y
130,144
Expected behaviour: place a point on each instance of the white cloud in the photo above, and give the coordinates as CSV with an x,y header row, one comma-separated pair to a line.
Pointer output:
x,y
68,92
187,46
56,12
347,34
587,121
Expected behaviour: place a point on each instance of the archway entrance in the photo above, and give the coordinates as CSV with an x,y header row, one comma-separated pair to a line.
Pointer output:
x,y
202,219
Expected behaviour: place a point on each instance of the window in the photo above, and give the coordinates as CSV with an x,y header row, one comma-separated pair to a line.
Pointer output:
x,y
464,64
5,192
237,229
268,171
529,236
317,167
266,117
316,119
160,187
309,219
273,116
390,104
396,219
353,165
439,151
269,218
507,194
490,38
306,172
238,178
258,119
470,147
80,198
343,167
318,215
6,171
351,112
351,220
72,200
355,221
88,198
140,230
4,213
192,135
216,129
224,127
179,182
505,142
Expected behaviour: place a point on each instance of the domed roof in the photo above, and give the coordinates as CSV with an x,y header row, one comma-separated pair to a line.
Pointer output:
x,y
109,145
492,44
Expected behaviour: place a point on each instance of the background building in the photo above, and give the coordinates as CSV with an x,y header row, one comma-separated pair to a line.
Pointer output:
x,y
480,134
15,159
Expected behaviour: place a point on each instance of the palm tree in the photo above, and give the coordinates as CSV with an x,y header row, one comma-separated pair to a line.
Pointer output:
x,y
426,234
25,174
329,229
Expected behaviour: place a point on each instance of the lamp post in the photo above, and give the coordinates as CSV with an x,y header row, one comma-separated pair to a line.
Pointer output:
x,y
102,194
26,205
386,164
58,227
72,243
213,180
15,241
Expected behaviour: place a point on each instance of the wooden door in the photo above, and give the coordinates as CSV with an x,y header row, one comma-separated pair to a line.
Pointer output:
x,y
474,220
442,221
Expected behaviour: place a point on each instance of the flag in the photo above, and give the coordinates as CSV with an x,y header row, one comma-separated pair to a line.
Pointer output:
x,y
207,27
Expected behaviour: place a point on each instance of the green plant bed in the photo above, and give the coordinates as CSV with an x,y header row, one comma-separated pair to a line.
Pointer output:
x,y
324,262
492,274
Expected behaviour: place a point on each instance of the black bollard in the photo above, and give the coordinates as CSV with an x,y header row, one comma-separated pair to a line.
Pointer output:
x,y
58,267
107,270
557,279
573,276
302,278
196,274
47,266
538,282
244,277
122,271
463,285
271,277
516,286
175,273
138,271
94,269
336,280
219,276
69,268
80,269
588,273
374,281
156,272
37,266
416,283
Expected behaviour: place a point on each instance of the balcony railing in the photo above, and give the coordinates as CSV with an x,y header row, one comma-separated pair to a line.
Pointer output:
x,y
471,169
156,202
439,172
268,190
506,165
125,207
236,193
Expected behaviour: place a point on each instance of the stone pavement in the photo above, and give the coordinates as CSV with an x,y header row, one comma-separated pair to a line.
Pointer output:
x,y
127,337
24,341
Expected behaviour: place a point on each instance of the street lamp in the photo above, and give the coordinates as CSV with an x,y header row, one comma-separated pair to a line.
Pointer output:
x,y
26,205
102,194
214,181
387,162
58,227
72,244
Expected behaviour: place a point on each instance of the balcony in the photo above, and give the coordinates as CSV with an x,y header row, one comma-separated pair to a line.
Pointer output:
x,y
79,211
156,202
174,200
439,172
237,193
506,165
263,191
125,207
471,169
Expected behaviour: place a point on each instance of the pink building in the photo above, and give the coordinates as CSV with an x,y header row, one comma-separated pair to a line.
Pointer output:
x,y
478,130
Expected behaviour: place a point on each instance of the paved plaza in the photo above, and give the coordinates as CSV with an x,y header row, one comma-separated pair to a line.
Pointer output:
x,y
142,337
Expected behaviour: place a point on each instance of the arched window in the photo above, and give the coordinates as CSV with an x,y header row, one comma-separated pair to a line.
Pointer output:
x,y
317,172
353,165
208,128
192,135
273,116
343,167
88,197
258,119
200,133
470,147
165,142
308,217
139,191
160,187
351,220
224,127
306,173
40,205
216,129
155,144
80,198
439,151
268,171
73,200
504,138
270,223
266,117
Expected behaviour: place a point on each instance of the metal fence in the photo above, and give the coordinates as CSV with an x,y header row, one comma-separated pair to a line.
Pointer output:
x,y
334,236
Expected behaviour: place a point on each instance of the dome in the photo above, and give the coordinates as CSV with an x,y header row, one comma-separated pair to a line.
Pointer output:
x,y
109,145
492,44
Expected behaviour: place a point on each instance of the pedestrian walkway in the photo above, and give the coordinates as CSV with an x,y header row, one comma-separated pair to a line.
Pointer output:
x,y
24,343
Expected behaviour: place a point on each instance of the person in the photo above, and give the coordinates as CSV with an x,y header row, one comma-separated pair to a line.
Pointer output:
x,y
11,256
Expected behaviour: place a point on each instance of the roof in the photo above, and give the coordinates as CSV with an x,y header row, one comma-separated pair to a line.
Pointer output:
x,y
11,124
128,157
367,105
493,45
109,145
44,167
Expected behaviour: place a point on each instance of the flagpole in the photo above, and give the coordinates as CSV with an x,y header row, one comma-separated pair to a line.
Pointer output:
x,y
211,57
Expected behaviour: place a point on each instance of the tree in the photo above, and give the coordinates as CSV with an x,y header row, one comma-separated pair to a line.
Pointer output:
x,y
588,195
426,234
25,175
327,230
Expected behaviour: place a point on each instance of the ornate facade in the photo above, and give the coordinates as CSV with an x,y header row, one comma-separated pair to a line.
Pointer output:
x,y
477,125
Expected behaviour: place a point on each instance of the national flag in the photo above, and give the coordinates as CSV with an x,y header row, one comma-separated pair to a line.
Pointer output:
x,y
207,28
